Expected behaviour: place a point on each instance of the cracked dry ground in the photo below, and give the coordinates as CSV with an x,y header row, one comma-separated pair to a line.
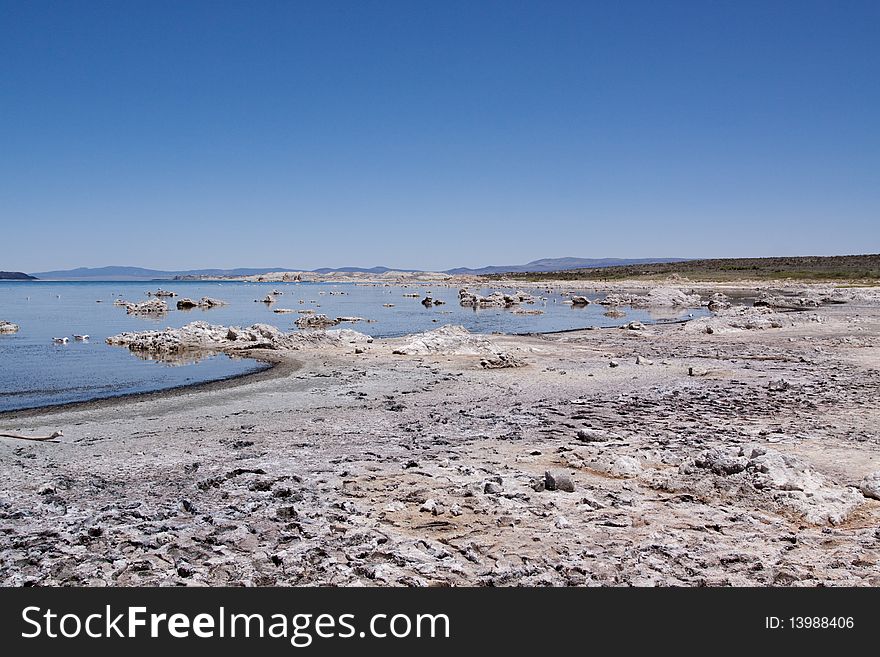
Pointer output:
x,y
321,476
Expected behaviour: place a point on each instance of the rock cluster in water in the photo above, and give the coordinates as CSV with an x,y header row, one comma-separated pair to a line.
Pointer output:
x,y
311,321
656,298
8,327
204,303
197,336
151,307
494,300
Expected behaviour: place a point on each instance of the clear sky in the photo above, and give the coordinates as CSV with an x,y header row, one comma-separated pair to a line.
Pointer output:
x,y
435,134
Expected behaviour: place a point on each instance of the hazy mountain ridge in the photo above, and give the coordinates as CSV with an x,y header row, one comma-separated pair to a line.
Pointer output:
x,y
120,273
140,273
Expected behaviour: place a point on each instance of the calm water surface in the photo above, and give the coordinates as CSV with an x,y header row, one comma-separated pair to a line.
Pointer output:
x,y
36,372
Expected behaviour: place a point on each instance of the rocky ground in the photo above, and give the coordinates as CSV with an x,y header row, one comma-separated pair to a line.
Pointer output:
x,y
731,450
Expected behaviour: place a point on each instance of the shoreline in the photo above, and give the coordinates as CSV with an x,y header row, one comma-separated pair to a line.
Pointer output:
x,y
275,368
741,290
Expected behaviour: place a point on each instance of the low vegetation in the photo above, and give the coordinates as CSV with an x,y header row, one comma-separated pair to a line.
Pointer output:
x,y
861,268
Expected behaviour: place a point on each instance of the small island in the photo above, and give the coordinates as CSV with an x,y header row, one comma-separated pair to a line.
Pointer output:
x,y
16,276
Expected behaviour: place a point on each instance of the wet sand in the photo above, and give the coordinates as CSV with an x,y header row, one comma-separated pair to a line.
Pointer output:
x,y
724,458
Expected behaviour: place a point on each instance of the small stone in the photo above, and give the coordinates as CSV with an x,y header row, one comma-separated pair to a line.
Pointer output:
x,y
287,513
493,488
455,510
722,462
562,522
592,436
429,506
613,363
560,481
592,503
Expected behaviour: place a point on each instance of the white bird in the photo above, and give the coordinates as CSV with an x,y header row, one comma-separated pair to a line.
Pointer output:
x,y
60,340
80,338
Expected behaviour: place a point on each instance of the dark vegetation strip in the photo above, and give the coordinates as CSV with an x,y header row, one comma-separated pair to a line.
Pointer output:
x,y
860,268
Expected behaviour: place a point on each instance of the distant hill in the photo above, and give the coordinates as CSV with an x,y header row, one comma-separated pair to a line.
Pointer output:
x,y
15,276
560,264
141,274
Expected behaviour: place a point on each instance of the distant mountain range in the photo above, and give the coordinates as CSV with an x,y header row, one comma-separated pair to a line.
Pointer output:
x,y
141,274
559,264
14,276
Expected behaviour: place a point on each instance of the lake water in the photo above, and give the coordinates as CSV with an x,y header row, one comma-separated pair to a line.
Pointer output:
x,y
36,372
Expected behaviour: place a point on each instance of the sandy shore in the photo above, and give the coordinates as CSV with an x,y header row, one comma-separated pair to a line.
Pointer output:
x,y
725,458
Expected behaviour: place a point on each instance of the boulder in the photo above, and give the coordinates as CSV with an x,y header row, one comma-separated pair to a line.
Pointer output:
x,y
768,300
493,488
558,481
722,461
788,481
594,435
717,302
620,466
458,341
500,360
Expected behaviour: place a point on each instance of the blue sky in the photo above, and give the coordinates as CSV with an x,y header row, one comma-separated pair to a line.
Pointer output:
x,y
435,134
